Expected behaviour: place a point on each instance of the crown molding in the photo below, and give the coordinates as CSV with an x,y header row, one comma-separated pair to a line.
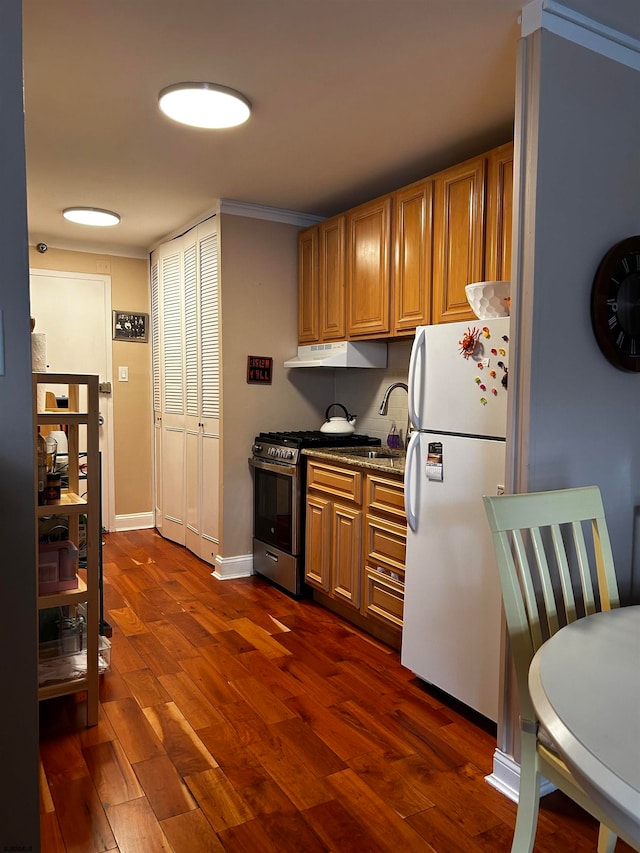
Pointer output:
x,y
91,248
274,214
570,24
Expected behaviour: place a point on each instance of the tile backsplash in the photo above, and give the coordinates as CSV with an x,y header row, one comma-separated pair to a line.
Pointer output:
x,y
361,391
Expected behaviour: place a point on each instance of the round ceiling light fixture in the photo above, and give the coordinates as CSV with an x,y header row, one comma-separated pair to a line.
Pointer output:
x,y
204,105
91,216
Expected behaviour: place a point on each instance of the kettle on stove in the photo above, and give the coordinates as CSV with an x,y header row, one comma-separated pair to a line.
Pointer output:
x,y
339,426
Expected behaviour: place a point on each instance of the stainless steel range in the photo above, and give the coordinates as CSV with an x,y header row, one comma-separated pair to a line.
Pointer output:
x,y
279,500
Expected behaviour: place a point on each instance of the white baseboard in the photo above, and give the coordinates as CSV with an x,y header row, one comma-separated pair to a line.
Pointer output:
x,y
233,567
137,521
506,777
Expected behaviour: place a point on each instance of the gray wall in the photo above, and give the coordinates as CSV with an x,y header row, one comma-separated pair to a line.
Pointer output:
x,y
19,824
574,418
581,415
259,298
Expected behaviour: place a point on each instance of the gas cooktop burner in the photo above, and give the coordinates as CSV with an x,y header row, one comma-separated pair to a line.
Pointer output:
x,y
316,438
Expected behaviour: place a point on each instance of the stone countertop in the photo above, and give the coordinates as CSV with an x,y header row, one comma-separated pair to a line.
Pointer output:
x,y
391,462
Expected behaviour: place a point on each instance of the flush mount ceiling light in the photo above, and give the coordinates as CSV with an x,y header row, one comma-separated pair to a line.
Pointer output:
x,y
90,216
204,105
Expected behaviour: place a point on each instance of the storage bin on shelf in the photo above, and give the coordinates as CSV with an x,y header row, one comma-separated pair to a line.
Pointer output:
x,y
57,566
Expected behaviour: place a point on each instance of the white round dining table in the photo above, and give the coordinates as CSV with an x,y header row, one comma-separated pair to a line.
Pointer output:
x,y
585,687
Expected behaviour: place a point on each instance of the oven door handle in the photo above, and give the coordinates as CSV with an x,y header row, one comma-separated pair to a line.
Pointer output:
x,y
275,467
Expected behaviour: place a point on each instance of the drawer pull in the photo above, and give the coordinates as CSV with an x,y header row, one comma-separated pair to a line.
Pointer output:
x,y
388,573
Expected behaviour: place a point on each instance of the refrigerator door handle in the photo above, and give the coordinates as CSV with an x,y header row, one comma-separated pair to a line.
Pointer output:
x,y
412,472
416,375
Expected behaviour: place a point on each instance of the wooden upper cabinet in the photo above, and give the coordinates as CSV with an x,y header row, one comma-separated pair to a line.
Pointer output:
x,y
308,292
499,207
403,260
369,269
458,238
413,249
331,271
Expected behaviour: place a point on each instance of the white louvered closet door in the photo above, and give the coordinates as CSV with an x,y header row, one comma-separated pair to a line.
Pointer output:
x,y
209,396
188,383
173,452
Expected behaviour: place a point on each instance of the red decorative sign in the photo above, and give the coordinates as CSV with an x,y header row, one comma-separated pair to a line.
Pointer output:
x,y
259,368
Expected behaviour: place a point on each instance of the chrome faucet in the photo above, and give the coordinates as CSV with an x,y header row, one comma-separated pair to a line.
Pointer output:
x,y
385,400
385,403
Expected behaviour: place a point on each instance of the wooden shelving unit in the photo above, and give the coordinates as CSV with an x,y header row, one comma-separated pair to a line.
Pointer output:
x,y
74,665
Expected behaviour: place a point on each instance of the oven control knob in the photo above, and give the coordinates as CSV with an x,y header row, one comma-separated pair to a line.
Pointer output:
x,y
256,448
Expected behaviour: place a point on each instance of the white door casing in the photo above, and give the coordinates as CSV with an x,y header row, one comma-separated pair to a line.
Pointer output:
x,y
74,311
171,475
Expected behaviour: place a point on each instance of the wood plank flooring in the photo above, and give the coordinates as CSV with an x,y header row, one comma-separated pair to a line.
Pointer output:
x,y
236,719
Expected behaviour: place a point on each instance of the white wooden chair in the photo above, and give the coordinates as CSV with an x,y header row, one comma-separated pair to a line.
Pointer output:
x,y
555,563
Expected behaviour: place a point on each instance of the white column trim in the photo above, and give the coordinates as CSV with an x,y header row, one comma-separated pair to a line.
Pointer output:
x,y
506,777
228,568
551,15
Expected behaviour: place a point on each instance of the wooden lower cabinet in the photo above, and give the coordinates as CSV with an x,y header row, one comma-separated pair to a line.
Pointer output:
x,y
333,536
332,549
318,542
355,546
385,550
384,598
346,547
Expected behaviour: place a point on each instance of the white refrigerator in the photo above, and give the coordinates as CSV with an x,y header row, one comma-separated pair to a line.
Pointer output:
x,y
458,407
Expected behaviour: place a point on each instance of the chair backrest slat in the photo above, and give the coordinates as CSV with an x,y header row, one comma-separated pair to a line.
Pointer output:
x,y
588,597
560,551
544,578
522,585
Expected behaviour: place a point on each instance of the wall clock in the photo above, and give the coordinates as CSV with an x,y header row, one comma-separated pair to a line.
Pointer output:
x,y
615,304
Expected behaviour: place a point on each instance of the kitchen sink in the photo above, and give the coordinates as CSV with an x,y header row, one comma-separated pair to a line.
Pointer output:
x,y
373,453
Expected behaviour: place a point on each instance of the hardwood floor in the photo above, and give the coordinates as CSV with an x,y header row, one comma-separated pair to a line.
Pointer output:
x,y
236,719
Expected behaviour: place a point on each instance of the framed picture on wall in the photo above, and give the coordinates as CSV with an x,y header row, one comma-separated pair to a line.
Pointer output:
x,y
130,326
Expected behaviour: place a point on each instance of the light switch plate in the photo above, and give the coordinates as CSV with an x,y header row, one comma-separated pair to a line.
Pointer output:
x,y
123,374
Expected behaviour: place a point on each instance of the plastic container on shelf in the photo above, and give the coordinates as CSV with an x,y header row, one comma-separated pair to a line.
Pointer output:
x,y
42,468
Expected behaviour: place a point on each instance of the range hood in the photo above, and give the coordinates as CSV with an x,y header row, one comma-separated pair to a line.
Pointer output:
x,y
341,354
